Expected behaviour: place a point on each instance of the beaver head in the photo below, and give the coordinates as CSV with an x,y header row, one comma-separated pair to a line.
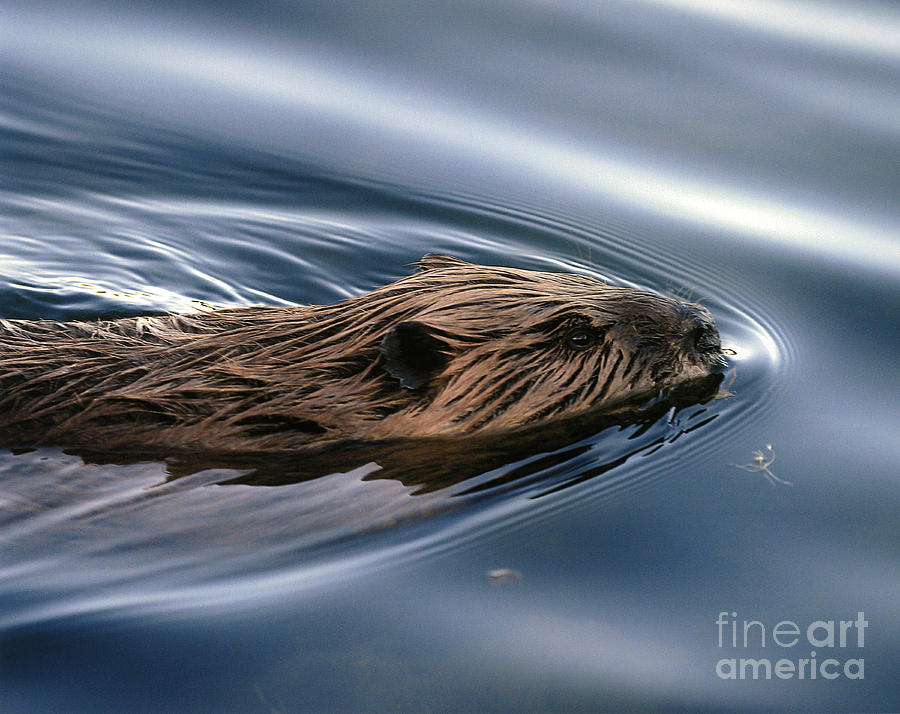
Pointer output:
x,y
496,348
455,348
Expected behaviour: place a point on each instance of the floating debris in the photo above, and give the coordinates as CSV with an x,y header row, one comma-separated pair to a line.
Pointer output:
x,y
503,576
762,461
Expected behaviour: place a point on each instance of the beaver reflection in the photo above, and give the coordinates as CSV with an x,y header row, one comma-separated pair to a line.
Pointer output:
x,y
454,352
516,457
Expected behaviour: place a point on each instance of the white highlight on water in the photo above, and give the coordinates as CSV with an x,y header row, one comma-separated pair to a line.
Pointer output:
x,y
310,82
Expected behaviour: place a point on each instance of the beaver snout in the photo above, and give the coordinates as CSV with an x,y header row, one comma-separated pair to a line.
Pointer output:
x,y
702,336
705,338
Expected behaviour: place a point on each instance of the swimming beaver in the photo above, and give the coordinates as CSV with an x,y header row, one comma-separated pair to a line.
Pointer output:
x,y
453,349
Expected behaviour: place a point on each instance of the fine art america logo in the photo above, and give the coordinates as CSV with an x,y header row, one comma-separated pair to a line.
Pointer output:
x,y
816,651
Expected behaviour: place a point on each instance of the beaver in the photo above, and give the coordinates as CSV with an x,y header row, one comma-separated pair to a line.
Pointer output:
x,y
453,349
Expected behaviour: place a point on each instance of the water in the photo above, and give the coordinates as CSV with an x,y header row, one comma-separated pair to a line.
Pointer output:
x,y
742,154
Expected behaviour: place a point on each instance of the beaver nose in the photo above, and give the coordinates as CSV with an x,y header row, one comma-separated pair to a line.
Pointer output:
x,y
701,330
706,338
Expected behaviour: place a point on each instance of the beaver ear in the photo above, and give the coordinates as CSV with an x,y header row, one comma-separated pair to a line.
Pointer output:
x,y
432,261
412,354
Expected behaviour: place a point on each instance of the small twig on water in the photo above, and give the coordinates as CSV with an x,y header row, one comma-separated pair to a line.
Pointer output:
x,y
762,462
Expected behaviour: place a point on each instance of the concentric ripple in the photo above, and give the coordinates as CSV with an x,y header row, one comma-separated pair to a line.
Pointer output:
x,y
136,538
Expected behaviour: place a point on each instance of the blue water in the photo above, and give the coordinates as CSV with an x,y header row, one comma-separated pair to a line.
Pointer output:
x,y
168,157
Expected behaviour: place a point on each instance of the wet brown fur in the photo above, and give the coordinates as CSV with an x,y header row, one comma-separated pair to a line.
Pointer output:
x,y
501,355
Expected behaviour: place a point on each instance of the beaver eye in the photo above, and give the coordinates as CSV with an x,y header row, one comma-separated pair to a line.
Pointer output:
x,y
581,338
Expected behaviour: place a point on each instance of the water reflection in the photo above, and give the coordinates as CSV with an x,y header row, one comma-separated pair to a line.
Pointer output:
x,y
433,464
136,532
302,152
873,32
337,102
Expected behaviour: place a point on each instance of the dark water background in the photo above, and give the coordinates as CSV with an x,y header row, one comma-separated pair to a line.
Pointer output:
x,y
744,154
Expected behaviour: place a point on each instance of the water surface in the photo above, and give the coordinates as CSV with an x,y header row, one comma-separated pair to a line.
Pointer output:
x,y
165,158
